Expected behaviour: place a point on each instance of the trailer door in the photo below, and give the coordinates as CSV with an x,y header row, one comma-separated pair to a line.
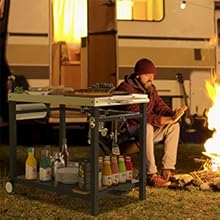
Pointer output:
x,y
102,38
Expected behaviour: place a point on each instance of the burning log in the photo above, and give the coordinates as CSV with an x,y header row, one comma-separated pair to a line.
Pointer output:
x,y
204,175
213,156
199,160
206,178
197,177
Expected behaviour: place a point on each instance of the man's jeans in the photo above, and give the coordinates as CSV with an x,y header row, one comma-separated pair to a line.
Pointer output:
x,y
169,134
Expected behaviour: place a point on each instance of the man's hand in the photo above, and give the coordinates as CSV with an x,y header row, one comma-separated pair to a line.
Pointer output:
x,y
179,111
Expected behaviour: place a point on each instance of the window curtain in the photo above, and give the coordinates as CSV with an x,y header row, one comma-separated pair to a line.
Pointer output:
x,y
69,20
154,10
146,10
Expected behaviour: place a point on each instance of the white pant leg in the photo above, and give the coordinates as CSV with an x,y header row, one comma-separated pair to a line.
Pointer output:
x,y
170,135
150,158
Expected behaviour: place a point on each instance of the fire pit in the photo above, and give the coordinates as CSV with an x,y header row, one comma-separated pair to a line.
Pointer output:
x,y
213,163
208,176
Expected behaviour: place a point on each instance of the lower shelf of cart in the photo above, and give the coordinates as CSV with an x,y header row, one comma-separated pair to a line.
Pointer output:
x,y
73,189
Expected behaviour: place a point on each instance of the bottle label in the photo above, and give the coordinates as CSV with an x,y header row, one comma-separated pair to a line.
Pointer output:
x,y
107,180
45,174
122,177
30,172
115,178
129,175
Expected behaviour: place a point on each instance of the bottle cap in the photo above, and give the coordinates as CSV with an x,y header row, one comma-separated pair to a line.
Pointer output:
x,y
30,149
107,158
127,158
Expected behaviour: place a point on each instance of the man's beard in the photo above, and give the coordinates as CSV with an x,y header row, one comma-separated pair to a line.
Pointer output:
x,y
147,86
149,89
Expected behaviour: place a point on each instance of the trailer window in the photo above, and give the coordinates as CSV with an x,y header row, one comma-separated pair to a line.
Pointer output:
x,y
140,10
69,20
2,8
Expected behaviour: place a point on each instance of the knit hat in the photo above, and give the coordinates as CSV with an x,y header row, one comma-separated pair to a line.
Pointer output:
x,y
144,66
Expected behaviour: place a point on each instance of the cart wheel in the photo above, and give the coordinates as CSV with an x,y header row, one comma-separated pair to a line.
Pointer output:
x,y
9,187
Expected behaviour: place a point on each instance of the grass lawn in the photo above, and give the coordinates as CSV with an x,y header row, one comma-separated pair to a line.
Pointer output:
x,y
159,204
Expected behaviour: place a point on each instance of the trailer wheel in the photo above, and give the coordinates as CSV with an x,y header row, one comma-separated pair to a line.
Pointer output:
x,y
9,187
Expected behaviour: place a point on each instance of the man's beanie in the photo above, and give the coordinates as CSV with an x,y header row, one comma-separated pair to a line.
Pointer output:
x,y
144,66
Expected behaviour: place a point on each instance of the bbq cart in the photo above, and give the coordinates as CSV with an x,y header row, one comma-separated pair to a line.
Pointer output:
x,y
94,106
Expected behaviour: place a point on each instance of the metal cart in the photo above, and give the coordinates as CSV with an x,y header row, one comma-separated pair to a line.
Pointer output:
x,y
95,106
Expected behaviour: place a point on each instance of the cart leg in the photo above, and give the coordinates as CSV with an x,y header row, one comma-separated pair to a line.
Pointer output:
x,y
12,139
142,192
94,161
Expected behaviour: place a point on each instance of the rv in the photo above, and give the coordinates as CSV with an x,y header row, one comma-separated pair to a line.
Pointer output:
x,y
180,37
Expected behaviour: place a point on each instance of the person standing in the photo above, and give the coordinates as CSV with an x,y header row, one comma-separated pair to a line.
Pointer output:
x,y
162,122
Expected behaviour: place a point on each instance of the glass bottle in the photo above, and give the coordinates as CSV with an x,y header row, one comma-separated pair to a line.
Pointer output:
x,y
64,152
122,169
115,171
45,167
129,168
31,165
107,172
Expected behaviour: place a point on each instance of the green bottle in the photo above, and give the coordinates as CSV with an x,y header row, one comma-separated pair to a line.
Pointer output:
x,y
45,166
122,169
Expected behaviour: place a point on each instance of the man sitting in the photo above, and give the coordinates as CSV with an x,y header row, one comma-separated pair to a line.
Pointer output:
x,y
162,122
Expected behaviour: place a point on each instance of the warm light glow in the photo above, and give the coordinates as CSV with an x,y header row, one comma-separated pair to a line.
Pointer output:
x,y
148,10
212,41
183,5
158,10
212,145
69,20
149,6
124,9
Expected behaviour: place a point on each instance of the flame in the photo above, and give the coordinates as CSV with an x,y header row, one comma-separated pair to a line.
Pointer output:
x,y
212,145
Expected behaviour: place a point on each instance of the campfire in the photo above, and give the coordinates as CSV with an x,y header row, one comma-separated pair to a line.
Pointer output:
x,y
208,176
212,145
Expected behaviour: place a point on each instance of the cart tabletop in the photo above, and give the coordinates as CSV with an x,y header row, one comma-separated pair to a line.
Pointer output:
x,y
79,100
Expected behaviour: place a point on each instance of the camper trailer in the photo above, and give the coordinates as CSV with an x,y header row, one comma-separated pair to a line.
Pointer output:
x,y
181,37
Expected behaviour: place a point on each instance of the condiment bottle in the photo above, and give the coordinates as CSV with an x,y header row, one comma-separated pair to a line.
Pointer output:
x,y
84,175
115,171
64,152
107,172
45,167
129,168
31,165
122,169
